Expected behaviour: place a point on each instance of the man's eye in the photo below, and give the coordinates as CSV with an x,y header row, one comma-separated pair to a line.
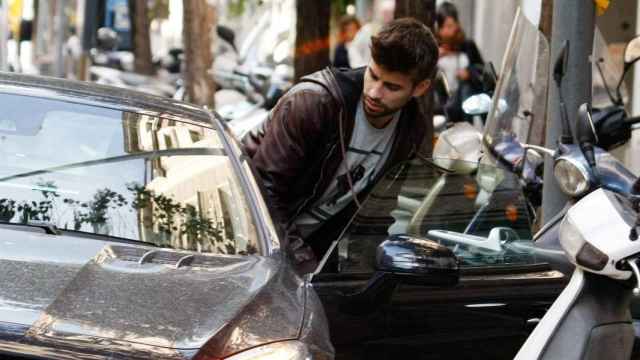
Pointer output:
x,y
392,88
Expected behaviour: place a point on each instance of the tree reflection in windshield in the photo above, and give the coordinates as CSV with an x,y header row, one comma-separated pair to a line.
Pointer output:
x,y
171,221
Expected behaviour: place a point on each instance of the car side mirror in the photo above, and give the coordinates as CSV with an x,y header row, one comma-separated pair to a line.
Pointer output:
x,y
403,259
417,261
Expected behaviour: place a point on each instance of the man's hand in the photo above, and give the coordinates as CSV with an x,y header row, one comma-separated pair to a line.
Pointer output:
x,y
302,256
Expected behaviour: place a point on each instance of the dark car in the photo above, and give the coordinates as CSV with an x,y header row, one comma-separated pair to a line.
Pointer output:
x,y
478,212
132,227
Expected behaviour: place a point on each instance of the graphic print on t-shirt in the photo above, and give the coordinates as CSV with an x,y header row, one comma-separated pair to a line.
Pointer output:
x,y
364,158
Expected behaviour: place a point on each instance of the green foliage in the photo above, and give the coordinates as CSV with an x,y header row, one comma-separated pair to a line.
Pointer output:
x,y
170,217
236,7
7,209
340,6
173,217
95,212
158,9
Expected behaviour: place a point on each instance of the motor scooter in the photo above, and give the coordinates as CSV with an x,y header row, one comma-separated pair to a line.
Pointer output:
x,y
598,234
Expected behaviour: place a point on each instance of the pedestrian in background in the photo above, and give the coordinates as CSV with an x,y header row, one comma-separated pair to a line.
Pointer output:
x,y
349,26
459,59
360,48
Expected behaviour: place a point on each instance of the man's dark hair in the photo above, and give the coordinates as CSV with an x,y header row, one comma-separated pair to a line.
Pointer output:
x,y
407,46
346,20
446,10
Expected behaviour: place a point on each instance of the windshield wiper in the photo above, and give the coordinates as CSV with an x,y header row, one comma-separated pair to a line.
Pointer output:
x,y
48,228
52,229
107,237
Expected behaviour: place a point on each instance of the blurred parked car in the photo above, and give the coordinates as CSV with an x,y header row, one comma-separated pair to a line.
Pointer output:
x,y
131,227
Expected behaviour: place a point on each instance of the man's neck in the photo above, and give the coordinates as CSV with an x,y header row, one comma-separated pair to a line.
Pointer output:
x,y
380,122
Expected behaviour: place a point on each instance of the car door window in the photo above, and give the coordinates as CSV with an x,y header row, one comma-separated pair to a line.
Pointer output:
x,y
106,172
476,210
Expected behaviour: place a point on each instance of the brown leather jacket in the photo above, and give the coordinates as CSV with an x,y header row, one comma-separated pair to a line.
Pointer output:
x,y
298,150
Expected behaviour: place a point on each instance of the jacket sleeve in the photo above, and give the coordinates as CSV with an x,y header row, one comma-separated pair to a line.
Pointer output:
x,y
476,64
470,48
291,136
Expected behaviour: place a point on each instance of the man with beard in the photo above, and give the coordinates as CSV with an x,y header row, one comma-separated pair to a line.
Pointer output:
x,y
338,128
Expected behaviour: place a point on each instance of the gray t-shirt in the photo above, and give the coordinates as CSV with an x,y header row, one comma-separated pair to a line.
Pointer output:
x,y
368,150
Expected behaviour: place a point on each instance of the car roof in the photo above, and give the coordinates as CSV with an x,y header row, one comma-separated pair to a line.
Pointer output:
x,y
101,95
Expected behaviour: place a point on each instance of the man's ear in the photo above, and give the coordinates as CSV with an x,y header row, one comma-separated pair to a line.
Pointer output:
x,y
421,88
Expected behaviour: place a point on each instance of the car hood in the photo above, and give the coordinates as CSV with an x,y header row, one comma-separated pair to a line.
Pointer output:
x,y
65,287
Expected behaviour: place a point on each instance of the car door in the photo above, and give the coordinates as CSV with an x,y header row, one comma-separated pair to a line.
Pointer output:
x,y
480,213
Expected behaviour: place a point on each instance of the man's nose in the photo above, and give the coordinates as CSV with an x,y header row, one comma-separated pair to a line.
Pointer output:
x,y
375,92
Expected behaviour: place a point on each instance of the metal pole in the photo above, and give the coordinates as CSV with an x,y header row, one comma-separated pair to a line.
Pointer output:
x,y
4,35
573,20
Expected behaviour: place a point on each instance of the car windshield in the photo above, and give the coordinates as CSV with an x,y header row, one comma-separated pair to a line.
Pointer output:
x,y
477,210
101,171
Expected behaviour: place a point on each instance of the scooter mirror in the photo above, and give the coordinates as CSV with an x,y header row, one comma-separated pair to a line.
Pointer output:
x,y
458,148
477,104
632,51
631,55
586,133
439,123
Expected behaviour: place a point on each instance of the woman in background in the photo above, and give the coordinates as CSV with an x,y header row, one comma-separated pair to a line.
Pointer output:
x,y
459,59
349,26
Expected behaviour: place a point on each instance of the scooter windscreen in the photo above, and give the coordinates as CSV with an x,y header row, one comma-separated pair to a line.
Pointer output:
x,y
517,114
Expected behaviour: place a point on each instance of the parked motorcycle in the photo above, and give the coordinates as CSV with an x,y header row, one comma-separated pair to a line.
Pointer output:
x,y
515,115
252,79
591,317
112,67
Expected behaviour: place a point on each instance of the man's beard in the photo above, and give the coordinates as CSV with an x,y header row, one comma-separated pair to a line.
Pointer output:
x,y
377,113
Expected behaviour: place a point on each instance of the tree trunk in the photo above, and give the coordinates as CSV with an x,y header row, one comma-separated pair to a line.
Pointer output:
x,y
198,33
141,41
312,36
424,11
